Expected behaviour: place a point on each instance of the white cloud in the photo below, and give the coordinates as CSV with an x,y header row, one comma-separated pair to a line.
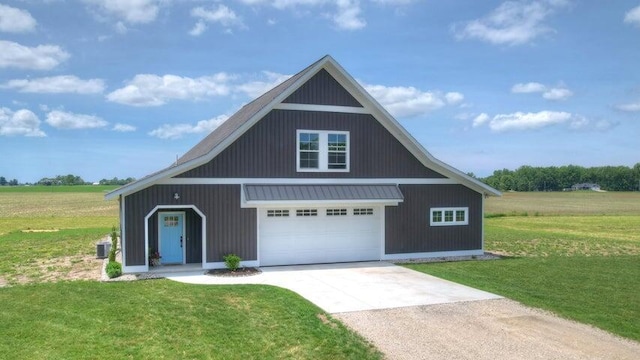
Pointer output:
x,y
480,120
557,94
123,128
630,107
554,93
41,57
253,89
347,16
56,85
527,121
531,87
408,101
22,122
221,15
68,120
154,90
511,23
394,2
633,16
13,20
168,131
131,11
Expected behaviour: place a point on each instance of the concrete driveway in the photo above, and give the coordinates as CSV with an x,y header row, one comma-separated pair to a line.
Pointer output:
x,y
338,288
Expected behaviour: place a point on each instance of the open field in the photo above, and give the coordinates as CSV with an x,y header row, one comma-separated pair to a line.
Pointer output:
x,y
162,319
576,254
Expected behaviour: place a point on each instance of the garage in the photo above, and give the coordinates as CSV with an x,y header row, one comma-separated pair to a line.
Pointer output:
x,y
309,235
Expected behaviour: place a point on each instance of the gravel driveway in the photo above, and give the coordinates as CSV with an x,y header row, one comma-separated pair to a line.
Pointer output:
x,y
486,329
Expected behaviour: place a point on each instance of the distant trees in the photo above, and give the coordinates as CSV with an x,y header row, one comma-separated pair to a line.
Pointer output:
x,y
528,178
4,182
116,181
62,180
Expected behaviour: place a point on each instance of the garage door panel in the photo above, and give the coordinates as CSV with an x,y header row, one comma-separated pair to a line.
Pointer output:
x,y
319,239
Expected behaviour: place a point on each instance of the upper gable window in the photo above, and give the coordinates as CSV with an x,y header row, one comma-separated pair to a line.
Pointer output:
x,y
322,150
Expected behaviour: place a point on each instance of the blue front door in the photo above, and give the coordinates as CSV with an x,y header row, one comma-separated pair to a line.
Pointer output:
x,y
171,233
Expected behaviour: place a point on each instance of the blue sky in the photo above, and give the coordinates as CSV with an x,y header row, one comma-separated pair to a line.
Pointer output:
x,y
101,88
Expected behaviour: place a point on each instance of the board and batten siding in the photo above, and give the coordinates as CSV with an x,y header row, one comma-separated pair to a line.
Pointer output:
x,y
268,149
230,228
322,89
407,228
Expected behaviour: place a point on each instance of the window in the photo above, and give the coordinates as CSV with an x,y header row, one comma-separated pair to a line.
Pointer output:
x,y
367,211
277,213
322,150
336,212
449,216
307,212
170,221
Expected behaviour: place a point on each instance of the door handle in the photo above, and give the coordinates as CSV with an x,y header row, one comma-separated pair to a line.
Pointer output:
x,y
180,241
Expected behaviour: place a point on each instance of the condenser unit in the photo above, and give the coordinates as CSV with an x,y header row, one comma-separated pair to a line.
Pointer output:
x,y
102,249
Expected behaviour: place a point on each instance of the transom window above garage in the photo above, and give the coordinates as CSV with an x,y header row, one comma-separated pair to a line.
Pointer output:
x,y
449,216
322,151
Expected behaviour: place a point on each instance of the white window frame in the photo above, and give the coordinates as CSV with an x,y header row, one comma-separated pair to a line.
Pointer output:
x,y
455,210
323,154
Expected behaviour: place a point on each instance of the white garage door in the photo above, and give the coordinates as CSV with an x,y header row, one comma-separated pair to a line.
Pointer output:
x,y
319,235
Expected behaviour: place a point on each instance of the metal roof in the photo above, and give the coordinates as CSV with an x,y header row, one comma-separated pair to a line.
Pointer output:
x,y
270,192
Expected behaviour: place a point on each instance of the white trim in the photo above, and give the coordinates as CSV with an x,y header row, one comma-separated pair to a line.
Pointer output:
x,y
427,255
123,232
184,233
322,108
323,150
221,265
455,210
293,181
134,269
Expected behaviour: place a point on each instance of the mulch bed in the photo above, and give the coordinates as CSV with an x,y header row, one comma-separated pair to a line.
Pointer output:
x,y
246,271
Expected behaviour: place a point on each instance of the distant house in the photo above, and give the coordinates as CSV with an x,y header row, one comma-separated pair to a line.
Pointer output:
x,y
585,186
313,171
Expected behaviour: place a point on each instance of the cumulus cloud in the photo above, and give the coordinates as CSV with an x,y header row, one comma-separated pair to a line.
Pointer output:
x,y
155,90
549,93
221,15
521,121
347,16
255,88
176,131
130,11
630,107
41,57
71,121
511,23
19,123
56,85
13,20
403,101
633,16
123,128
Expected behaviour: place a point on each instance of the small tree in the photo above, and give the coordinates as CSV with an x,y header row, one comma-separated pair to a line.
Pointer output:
x,y
114,244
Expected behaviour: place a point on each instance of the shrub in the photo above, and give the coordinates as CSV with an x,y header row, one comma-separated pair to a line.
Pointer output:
x,y
232,261
114,269
114,244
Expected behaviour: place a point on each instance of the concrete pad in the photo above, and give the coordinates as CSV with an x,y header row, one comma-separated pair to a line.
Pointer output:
x,y
338,288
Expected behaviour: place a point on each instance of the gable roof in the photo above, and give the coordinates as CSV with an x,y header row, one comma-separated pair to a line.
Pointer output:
x,y
248,115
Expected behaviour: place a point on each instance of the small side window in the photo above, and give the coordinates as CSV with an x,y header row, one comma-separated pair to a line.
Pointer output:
x,y
449,216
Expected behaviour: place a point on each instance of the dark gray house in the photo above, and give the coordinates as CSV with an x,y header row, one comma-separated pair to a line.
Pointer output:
x,y
313,171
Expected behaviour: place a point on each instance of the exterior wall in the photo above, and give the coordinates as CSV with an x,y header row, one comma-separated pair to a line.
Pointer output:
x,y
407,225
230,229
322,89
268,149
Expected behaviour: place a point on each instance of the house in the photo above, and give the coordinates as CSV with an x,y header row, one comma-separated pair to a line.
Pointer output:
x,y
313,171
585,186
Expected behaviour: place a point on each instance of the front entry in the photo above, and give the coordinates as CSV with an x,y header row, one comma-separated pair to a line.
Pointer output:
x,y
171,237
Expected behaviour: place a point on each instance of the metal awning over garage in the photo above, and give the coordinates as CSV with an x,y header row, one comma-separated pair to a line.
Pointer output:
x,y
302,193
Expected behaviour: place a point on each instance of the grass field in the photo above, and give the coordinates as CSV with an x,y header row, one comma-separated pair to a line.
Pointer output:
x,y
575,254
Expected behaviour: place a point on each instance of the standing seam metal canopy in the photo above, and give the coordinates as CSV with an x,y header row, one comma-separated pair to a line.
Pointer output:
x,y
270,192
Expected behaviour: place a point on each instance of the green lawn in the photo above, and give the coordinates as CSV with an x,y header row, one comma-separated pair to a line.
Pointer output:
x,y
575,254
161,319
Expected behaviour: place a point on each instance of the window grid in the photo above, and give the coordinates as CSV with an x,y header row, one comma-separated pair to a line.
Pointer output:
x,y
337,145
309,147
322,151
307,212
449,216
170,221
367,211
278,213
336,212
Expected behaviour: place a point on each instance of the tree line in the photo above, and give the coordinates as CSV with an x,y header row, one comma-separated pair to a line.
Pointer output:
x,y
552,178
67,180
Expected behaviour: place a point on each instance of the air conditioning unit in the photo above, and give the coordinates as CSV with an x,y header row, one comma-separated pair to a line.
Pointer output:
x,y
102,249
